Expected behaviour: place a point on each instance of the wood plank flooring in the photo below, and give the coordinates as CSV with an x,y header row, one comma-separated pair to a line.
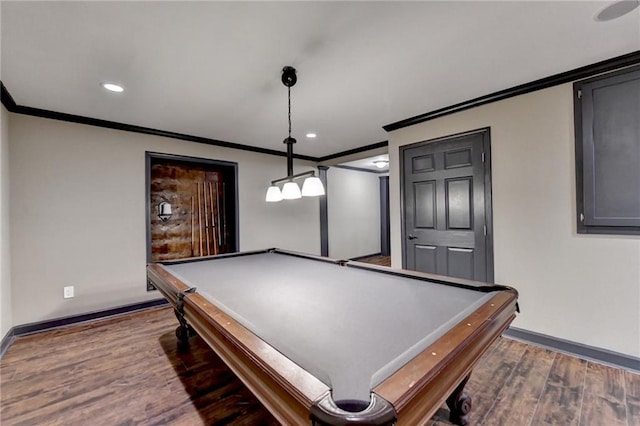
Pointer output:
x,y
377,260
128,370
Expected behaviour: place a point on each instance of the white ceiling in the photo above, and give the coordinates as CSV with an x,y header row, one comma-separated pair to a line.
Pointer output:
x,y
212,69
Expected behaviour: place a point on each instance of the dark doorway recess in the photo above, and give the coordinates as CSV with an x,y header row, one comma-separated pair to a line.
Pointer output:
x,y
446,200
202,195
385,224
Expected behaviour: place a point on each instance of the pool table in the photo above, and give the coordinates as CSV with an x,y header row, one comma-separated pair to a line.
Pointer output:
x,y
333,342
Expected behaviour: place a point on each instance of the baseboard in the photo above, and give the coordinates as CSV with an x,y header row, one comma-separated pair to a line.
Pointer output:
x,y
35,327
365,256
589,353
7,340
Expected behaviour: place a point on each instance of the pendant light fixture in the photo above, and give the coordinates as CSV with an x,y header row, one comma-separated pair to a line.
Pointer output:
x,y
312,186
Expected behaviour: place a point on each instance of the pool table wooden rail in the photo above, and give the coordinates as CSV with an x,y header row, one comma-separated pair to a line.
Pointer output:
x,y
416,390
287,390
422,385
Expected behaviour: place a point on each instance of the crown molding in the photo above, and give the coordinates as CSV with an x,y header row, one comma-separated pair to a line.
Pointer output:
x,y
11,106
7,99
354,151
544,83
608,65
9,103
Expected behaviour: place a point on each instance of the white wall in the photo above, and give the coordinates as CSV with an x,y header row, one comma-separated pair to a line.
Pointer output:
x,y
78,213
5,258
582,288
353,204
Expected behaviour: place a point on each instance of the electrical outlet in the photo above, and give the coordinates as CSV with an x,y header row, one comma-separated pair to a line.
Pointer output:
x,y
68,292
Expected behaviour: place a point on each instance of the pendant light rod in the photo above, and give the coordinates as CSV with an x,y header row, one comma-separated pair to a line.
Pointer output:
x,y
289,142
289,79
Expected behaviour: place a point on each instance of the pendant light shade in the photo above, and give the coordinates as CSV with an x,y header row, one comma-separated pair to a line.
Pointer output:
x,y
312,187
291,191
273,194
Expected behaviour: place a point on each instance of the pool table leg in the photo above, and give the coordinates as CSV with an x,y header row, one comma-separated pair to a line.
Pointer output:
x,y
184,331
459,404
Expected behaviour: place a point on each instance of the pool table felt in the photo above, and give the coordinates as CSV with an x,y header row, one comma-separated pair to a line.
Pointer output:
x,y
350,328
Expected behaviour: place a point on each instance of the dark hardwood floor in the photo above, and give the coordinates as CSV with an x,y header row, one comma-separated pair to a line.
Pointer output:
x,y
377,260
128,371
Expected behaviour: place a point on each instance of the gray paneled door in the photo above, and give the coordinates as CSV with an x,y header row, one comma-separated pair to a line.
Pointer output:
x,y
445,200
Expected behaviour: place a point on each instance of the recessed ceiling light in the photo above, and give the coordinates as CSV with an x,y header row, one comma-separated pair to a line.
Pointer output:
x,y
311,135
617,9
112,87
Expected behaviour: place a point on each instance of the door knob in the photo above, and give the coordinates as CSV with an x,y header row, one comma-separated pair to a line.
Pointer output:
x,y
412,237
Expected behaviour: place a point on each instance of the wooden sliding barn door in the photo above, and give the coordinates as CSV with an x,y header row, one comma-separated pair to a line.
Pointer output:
x,y
446,197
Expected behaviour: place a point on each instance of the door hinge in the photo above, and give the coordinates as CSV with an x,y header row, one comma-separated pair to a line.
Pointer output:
x,y
483,157
485,230
579,94
581,217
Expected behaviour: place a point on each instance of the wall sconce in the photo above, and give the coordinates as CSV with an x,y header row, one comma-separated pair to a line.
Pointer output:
x,y
164,211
